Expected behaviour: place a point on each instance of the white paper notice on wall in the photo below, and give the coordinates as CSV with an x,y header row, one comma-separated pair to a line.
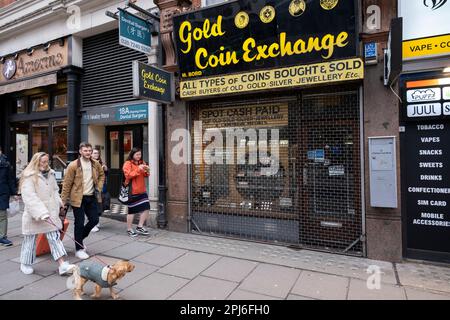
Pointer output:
x,y
383,172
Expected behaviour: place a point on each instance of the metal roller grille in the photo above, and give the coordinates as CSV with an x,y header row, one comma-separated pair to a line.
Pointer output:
x,y
313,200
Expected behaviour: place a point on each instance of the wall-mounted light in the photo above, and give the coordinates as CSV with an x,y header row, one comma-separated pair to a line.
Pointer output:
x,y
47,46
61,42
2,59
16,56
30,51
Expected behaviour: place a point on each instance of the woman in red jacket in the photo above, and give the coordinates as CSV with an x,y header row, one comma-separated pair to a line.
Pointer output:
x,y
135,171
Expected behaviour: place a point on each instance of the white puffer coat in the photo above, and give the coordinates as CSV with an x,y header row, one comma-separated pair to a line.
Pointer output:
x,y
40,198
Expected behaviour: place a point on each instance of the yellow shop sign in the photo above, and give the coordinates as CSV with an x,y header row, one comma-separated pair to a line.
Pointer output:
x,y
303,75
426,47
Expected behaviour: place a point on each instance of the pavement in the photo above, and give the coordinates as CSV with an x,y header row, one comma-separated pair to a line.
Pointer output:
x,y
181,266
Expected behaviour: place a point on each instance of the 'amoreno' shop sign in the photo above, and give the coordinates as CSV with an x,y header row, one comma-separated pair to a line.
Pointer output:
x,y
283,43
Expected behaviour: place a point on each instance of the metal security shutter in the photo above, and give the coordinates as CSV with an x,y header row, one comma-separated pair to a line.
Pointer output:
x,y
311,199
107,67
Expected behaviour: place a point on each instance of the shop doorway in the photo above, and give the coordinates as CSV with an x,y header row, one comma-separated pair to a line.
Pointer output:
x,y
329,190
119,142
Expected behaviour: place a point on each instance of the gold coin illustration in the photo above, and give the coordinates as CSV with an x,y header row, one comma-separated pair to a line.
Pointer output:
x,y
267,14
297,7
328,4
241,20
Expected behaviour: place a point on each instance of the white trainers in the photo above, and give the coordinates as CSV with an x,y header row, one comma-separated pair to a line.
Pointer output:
x,y
65,268
95,229
26,269
81,254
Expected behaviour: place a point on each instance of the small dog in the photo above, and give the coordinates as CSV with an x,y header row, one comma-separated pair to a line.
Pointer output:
x,y
104,277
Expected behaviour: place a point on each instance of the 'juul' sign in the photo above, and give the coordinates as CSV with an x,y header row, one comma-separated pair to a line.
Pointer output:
x,y
424,110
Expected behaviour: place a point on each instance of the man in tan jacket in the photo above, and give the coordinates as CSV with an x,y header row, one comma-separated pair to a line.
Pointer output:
x,y
82,185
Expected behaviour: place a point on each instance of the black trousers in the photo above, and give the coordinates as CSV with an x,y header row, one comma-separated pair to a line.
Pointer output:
x,y
89,208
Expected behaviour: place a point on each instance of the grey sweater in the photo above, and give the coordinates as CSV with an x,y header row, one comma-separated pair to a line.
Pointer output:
x,y
93,271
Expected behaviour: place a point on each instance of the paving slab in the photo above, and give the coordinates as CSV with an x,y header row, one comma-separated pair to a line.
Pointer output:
x,y
160,256
348,266
295,297
424,276
46,268
230,269
10,254
358,291
204,288
156,286
9,282
271,280
68,294
95,237
321,286
140,271
8,266
122,238
189,265
45,257
103,246
130,250
239,294
416,294
40,290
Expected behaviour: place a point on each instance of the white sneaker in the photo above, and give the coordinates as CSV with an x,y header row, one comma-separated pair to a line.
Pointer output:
x,y
81,254
65,268
95,229
26,269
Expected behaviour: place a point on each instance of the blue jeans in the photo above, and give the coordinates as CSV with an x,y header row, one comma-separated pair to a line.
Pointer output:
x,y
88,208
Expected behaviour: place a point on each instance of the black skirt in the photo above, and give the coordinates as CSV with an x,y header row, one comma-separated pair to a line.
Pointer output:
x,y
138,203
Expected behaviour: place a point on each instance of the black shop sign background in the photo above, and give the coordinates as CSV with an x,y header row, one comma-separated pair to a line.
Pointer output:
x,y
432,139
314,22
425,149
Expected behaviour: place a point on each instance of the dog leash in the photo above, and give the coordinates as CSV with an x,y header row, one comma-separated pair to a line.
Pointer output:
x,y
49,220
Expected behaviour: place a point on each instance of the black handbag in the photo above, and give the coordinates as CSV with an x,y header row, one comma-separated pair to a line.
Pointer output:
x,y
125,193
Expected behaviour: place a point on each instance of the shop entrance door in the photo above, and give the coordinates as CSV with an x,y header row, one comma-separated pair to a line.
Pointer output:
x,y
329,190
120,141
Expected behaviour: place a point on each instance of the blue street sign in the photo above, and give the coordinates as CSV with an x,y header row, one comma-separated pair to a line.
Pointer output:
x,y
370,50
134,32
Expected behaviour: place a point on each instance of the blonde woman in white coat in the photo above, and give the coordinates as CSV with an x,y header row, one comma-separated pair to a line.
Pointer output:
x,y
40,194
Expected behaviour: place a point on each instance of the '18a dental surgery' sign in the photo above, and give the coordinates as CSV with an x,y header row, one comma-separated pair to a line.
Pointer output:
x,y
250,35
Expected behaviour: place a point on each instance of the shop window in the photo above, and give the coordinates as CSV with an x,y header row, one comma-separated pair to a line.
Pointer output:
x,y
60,101
21,133
39,140
114,150
39,104
127,143
237,176
20,105
59,157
